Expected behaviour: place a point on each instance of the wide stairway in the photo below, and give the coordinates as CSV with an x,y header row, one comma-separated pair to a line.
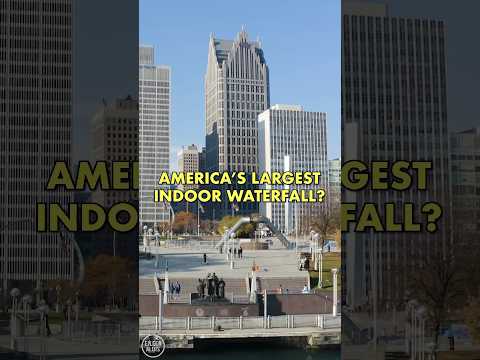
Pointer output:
x,y
146,286
294,285
189,286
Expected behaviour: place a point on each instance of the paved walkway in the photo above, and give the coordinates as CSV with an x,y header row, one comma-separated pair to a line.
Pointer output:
x,y
185,263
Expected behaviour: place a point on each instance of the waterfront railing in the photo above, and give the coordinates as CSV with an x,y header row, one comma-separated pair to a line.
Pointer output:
x,y
322,321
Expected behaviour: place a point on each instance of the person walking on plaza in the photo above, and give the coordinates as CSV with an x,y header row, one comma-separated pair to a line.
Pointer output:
x,y
235,252
221,289
240,253
204,258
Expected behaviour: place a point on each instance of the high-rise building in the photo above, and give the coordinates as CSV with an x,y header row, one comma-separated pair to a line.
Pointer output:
x,y
202,160
465,161
115,138
334,190
188,161
394,106
291,139
154,134
36,124
236,91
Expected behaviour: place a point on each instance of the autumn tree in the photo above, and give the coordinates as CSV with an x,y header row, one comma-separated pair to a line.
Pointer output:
x,y
109,280
184,222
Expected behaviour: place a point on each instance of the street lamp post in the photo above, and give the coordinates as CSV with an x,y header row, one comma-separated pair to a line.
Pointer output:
x,y
334,274
232,239
14,293
320,270
26,301
58,289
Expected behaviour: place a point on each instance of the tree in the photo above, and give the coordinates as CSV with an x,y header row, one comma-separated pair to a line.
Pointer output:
x,y
108,280
325,223
184,222
437,284
208,226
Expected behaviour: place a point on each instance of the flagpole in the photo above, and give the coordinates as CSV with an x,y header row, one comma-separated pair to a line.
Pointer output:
x,y
198,218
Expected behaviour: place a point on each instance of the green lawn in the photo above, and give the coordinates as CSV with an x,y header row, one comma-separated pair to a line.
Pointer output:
x,y
330,261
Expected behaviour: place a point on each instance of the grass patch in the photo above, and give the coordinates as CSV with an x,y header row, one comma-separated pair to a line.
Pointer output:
x,y
330,260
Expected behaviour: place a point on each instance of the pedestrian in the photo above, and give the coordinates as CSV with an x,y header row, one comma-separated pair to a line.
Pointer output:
x,y
204,258
235,252
221,289
177,285
305,289
240,251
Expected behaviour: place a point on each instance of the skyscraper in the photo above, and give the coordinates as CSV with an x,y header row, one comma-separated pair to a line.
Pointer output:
x,y
465,157
35,118
334,183
236,91
292,139
188,161
154,134
115,138
394,106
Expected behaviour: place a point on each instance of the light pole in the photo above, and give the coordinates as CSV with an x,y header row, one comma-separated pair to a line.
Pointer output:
x,y
58,289
15,294
334,274
145,239
26,301
43,310
320,270
232,239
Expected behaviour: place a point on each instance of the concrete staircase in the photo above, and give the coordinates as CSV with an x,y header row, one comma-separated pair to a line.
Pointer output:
x,y
288,283
146,286
189,285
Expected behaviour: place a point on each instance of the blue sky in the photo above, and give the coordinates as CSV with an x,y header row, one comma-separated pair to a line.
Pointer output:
x,y
301,42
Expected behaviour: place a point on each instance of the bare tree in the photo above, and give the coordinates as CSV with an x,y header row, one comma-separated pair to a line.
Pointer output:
x,y
325,222
438,283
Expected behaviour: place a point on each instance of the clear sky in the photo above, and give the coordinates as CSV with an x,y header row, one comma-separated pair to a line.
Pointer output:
x,y
301,42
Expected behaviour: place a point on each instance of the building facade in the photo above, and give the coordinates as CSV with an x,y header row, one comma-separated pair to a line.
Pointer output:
x,y
291,139
236,91
465,161
115,138
154,134
189,161
394,106
334,190
36,120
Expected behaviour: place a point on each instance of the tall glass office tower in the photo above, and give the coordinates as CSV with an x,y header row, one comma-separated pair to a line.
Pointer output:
x,y
154,134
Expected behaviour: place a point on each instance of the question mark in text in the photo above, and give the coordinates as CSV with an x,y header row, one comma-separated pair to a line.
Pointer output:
x,y
321,195
434,212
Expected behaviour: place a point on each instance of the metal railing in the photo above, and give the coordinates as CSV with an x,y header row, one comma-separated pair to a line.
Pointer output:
x,y
322,321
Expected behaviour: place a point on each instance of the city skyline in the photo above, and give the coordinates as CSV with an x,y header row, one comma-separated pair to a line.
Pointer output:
x,y
296,79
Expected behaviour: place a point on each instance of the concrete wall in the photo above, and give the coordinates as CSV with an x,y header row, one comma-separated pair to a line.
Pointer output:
x,y
223,310
148,305
297,304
